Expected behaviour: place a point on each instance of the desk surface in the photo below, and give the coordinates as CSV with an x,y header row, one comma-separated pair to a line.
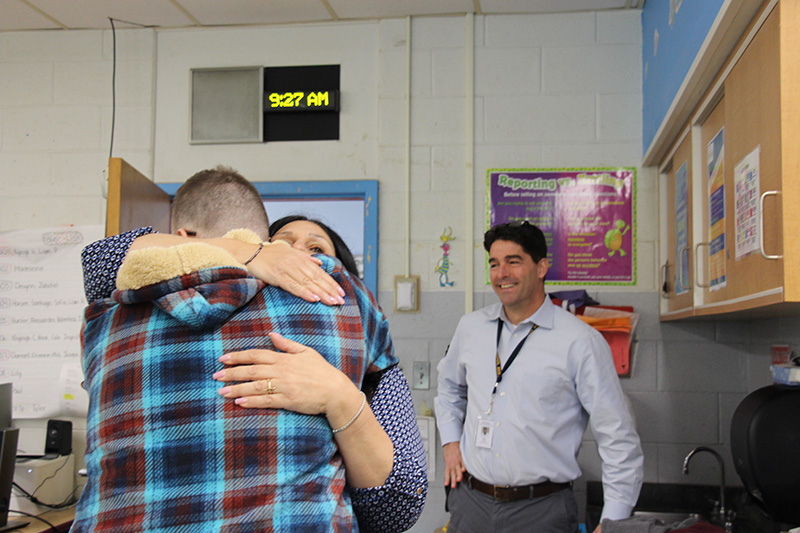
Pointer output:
x,y
61,518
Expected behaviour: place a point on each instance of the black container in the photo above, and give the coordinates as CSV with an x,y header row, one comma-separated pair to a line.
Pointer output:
x,y
765,444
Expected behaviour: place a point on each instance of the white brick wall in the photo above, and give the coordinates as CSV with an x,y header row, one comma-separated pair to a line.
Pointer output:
x,y
55,121
26,83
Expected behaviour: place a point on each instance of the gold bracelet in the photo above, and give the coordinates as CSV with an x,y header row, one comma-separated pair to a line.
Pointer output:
x,y
260,246
358,413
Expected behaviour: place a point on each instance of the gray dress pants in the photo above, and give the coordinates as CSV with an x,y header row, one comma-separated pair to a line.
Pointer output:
x,y
472,511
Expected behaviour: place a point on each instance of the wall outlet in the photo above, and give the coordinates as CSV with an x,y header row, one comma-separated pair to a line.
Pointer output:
x,y
421,376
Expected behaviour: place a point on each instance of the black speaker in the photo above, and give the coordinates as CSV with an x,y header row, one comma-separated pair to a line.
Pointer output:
x,y
59,437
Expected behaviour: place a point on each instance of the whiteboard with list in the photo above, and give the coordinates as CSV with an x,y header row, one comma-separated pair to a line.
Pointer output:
x,y
41,311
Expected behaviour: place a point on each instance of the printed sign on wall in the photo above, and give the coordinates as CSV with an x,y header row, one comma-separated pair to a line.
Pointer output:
x,y
747,192
682,229
588,217
716,211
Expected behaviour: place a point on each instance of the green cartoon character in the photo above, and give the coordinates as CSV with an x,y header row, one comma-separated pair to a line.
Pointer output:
x,y
613,238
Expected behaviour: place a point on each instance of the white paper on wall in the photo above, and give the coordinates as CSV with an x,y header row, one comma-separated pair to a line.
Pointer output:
x,y
41,311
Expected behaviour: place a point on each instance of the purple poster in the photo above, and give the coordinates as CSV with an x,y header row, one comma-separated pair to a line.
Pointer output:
x,y
587,215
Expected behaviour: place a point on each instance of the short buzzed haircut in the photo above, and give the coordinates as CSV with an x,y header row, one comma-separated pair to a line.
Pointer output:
x,y
216,201
522,232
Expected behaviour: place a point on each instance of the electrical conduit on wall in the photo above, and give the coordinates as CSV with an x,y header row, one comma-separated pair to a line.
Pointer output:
x,y
469,163
408,149
469,151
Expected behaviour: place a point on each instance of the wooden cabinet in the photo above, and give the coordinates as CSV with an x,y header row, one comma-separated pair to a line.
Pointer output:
x,y
677,274
133,200
753,107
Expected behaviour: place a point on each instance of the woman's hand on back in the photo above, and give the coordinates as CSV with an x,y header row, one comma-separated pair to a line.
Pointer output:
x,y
301,380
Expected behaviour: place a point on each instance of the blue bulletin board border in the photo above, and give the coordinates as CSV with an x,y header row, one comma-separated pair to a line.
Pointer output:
x,y
366,189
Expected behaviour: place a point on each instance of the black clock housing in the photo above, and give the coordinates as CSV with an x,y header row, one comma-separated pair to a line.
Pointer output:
x,y
301,103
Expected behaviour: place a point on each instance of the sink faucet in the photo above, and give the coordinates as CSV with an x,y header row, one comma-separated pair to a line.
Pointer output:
x,y
722,510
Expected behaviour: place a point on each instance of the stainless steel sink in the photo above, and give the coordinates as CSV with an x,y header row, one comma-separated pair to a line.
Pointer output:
x,y
666,517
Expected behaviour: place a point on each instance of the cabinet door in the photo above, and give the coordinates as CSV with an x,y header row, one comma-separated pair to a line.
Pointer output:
x,y
748,118
133,200
753,123
712,275
680,264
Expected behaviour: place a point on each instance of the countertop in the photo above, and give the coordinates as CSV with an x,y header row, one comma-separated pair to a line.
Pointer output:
x,y
699,499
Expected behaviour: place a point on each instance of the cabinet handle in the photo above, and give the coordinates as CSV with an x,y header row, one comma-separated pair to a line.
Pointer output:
x,y
665,281
761,225
696,255
684,251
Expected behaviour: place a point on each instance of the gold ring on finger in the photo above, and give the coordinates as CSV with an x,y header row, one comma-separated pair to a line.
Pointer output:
x,y
270,388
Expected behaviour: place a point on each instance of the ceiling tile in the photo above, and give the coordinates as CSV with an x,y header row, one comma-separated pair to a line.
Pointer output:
x,y
354,9
95,13
18,16
215,12
548,6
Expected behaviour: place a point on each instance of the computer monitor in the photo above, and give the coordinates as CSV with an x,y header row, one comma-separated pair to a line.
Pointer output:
x,y
8,452
5,405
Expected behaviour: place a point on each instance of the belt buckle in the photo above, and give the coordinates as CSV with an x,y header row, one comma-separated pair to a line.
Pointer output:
x,y
497,496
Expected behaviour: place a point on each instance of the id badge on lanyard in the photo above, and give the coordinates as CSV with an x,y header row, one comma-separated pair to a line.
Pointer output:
x,y
483,436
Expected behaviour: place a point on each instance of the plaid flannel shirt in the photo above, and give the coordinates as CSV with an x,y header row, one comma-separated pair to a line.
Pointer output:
x,y
165,452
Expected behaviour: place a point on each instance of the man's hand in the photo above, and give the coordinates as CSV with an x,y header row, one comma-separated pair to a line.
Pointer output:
x,y
453,465
294,271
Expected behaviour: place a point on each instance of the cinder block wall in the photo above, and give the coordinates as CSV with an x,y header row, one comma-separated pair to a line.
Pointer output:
x,y
550,91
55,121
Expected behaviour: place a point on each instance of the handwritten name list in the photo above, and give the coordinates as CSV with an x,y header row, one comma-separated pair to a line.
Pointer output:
x,y
41,311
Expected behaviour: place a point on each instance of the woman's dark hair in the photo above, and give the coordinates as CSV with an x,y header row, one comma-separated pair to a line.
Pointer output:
x,y
341,250
370,383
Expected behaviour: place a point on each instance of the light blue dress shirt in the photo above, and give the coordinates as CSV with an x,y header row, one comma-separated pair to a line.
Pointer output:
x,y
562,379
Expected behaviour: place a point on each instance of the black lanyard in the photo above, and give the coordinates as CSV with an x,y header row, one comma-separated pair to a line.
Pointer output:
x,y
501,370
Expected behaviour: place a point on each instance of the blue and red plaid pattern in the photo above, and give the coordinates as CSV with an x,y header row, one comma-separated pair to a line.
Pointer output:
x,y
165,452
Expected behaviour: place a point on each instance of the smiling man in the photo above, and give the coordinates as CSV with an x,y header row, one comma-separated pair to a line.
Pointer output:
x,y
517,388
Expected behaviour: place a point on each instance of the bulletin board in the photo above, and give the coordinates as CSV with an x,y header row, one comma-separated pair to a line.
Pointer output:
x,y
321,200
588,217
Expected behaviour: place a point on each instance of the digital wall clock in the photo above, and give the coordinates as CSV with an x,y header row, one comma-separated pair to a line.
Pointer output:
x,y
294,101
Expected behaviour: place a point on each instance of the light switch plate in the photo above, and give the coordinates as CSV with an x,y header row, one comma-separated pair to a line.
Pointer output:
x,y
406,294
421,376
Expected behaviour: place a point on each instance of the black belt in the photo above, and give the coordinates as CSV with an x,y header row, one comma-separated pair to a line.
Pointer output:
x,y
505,493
